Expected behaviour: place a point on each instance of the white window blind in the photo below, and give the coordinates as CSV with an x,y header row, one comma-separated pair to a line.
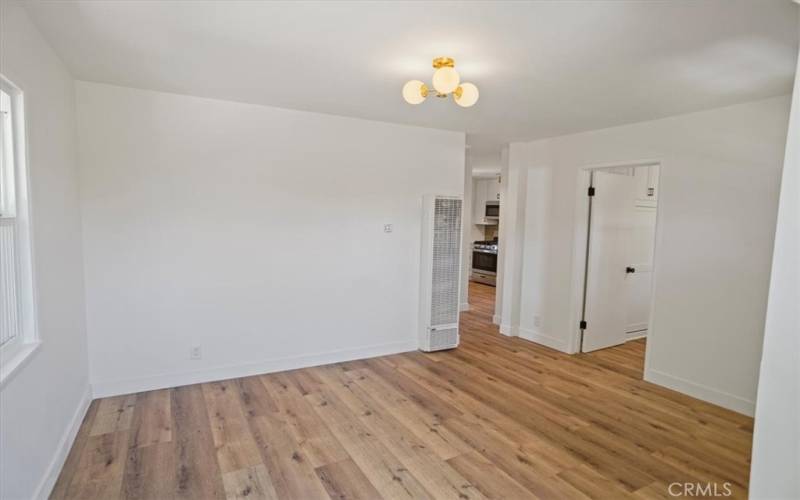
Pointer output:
x,y
9,276
9,305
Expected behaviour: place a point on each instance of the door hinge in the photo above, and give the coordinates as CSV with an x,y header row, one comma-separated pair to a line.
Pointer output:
x,y
591,190
582,325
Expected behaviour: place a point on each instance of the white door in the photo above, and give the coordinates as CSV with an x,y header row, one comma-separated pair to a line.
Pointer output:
x,y
609,247
640,282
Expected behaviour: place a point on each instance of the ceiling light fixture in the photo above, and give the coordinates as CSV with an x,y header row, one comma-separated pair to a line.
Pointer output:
x,y
446,81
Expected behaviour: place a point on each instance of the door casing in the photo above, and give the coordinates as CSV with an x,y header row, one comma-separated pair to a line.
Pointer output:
x,y
579,248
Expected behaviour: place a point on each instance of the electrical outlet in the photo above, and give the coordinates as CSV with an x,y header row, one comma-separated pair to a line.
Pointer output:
x,y
196,353
537,321
388,228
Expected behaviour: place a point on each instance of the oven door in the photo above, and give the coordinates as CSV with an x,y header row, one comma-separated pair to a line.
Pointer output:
x,y
484,261
492,209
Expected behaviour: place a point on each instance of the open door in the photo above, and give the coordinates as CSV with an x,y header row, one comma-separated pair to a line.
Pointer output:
x,y
607,265
640,283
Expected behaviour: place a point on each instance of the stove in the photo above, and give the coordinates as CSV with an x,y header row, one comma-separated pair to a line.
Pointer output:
x,y
484,262
489,245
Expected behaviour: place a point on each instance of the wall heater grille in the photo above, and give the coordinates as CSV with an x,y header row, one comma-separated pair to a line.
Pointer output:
x,y
440,272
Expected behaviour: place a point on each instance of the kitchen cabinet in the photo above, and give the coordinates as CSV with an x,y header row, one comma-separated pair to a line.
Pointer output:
x,y
493,189
484,190
646,185
478,200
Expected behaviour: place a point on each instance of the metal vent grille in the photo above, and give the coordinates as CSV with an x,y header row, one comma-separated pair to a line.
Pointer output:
x,y
444,339
446,259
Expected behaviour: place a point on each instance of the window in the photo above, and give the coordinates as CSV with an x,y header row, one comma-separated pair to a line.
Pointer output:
x,y
9,307
17,319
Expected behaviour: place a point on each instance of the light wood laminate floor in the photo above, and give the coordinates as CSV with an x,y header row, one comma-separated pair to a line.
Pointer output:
x,y
498,417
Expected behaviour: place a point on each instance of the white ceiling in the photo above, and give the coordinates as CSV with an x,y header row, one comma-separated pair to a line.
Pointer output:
x,y
543,68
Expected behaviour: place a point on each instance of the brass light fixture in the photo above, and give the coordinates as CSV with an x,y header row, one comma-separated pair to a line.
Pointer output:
x,y
446,81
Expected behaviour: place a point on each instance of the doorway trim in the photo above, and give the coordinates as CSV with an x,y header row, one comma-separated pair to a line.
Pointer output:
x,y
579,248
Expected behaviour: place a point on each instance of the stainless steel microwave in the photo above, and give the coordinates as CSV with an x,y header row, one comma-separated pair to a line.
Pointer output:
x,y
492,209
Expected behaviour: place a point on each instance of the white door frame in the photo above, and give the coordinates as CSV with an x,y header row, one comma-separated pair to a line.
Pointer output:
x,y
579,248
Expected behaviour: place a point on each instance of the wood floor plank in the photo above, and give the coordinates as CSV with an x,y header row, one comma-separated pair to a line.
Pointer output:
x,y
498,417
707,471
487,439
655,491
152,419
251,483
525,468
305,381
100,472
150,472
114,414
290,471
490,479
255,400
424,398
70,469
235,448
312,435
593,484
438,478
382,468
423,424
196,468
345,481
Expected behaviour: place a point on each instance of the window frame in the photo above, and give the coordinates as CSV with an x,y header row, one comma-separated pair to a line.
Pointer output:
x,y
7,200
17,351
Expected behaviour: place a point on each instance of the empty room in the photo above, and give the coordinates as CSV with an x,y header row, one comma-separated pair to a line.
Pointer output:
x,y
399,249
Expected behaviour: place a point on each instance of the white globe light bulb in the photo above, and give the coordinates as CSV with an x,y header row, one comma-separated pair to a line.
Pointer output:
x,y
414,92
466,95
445,79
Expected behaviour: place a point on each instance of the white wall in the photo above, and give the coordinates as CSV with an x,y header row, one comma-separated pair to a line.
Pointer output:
x,y
467,235
253,232
775,471
719,182
44,400
503,233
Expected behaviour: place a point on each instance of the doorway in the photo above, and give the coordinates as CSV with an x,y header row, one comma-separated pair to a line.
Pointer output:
x,y
484,235
618,255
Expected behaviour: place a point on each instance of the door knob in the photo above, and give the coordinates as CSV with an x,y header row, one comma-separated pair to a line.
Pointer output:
x,y
630,270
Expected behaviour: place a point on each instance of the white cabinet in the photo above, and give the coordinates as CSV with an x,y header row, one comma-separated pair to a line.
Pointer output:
x,y
484,190
646,185
493,189
478,201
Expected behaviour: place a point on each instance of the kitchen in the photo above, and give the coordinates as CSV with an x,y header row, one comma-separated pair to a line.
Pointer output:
x,y
484,230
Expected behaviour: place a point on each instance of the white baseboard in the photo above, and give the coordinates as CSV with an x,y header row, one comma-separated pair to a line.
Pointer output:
x,y
496,319
699,391
635,335
101,389
635,327
544,339
464,306
67,439
507,330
